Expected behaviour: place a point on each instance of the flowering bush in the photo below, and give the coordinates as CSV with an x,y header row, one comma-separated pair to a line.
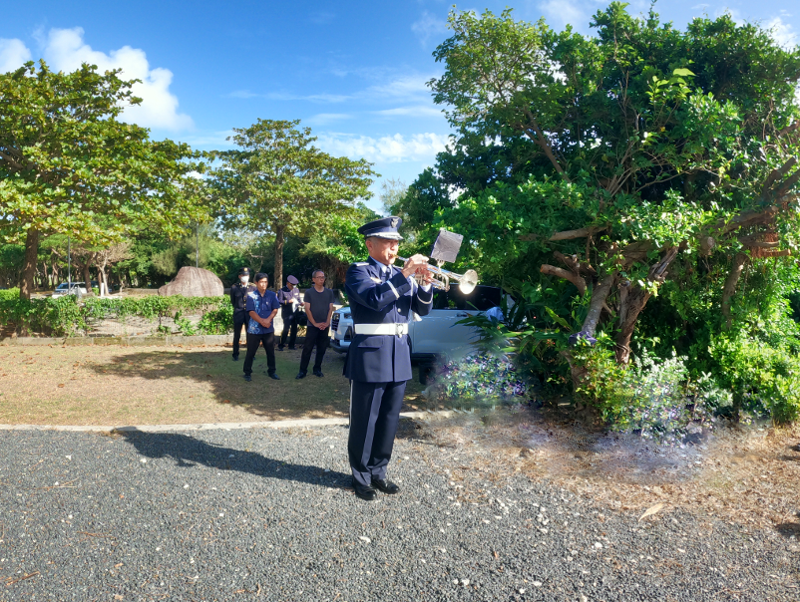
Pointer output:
x,y
481,377
652,397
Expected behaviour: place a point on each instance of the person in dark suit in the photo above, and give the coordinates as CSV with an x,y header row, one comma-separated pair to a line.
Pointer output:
x,y
239,291
378,362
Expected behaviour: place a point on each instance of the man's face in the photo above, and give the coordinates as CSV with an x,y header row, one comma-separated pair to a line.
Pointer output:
x,y
262,285
289,285
383,250
319,279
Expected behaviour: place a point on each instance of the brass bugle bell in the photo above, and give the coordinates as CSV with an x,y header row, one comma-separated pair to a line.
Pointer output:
x,y
441,278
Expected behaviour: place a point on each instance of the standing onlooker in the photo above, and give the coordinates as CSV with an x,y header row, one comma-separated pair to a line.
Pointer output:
x,y
261,305
318,302
239,291
289,297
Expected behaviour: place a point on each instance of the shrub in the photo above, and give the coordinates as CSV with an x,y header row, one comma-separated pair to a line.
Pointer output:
x,y
65,316
481,377
764,380
653,397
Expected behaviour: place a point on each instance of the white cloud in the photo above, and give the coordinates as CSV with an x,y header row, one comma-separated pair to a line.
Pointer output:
x,y
13,54
405,87
429,26
388,149
326,118
317,98
409,89
560,13
65,50
412,111
782,32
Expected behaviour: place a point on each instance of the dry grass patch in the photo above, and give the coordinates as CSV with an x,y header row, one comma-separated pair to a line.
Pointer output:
x,y
749,476
161,385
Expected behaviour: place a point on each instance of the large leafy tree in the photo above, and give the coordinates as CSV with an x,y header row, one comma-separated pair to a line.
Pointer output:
x,y
278,182
652,156
69,166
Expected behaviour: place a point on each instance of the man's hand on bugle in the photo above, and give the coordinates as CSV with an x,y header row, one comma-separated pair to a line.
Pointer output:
x,y
418,265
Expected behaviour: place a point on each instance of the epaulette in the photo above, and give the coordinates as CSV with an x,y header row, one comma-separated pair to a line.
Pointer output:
x,y
361,263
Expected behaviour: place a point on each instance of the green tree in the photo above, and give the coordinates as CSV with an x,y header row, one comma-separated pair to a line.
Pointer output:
x,y
653,156
278,182
333,251
69,166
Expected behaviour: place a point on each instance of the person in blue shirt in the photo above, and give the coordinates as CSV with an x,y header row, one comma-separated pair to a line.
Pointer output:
x,y
378,362
261,305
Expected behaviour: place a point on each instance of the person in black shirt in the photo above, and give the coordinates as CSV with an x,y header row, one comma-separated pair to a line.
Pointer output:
x,y
238,293
318,301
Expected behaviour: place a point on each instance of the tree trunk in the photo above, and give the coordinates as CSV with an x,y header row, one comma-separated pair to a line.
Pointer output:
x,y
633,300
29,265
279,240
730,284
87,278
634,303
599,295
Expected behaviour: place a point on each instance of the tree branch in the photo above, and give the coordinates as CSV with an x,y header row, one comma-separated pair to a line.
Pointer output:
x,y
575,279
541,140
579,233
599,296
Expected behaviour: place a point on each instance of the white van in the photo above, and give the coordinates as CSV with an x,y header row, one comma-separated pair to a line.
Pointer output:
x,y
65,288
436,335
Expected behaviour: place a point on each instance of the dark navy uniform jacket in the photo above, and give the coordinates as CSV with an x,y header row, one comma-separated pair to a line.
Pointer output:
x,y
381,358
238,293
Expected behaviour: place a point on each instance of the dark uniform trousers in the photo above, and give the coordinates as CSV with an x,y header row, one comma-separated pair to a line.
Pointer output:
x,y
253,342
378,365
240,319
289,325
318,338
374,416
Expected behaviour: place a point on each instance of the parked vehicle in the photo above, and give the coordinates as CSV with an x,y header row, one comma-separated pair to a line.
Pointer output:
x,y
65,288
435,336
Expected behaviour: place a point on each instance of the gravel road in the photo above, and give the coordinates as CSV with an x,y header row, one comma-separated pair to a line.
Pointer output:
x,y
268,514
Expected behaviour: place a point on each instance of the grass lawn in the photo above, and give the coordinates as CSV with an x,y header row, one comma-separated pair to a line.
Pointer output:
x,y
164,385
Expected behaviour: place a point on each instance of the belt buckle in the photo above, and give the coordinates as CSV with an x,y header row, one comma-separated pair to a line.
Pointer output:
x,y
398,329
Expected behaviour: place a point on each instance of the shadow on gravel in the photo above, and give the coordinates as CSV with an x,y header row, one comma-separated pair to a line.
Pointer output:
x,y
789,529
188,451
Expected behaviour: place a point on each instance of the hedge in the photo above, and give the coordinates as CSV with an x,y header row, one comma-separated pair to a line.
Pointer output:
x,y
66,316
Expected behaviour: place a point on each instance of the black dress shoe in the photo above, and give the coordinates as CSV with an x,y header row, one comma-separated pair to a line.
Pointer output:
x,y
365,493
235,358
273,376
318,373
247,377
385,486
280,347
300,375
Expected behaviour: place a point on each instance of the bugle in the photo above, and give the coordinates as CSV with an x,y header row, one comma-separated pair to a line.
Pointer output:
x,y
441,278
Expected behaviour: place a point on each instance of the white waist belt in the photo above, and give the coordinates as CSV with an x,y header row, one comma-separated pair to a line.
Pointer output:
x,y
388,329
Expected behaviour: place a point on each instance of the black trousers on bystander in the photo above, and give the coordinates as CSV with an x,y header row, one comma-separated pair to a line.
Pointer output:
x,y
318,338
240,319
253,342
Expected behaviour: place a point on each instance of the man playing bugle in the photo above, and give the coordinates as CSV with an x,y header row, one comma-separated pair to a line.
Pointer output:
x,y
378,362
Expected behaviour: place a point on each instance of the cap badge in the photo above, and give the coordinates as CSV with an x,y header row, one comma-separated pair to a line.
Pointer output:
x,y
395,221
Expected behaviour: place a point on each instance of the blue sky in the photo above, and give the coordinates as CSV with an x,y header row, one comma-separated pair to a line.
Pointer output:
x,y
354,72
